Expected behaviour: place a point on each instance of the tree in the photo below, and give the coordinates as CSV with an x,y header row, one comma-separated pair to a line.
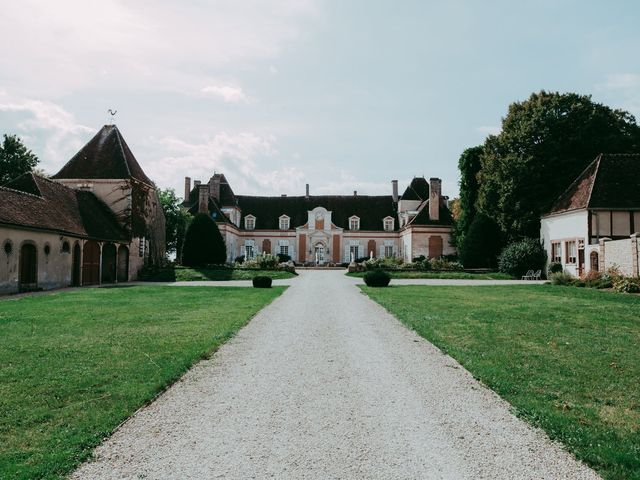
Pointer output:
x,y
469,166
545,142
15,159
177,221
519,257
203,243
482,244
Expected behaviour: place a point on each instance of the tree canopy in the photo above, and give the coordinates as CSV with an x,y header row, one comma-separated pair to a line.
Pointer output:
x,y
177,221
15,158
469,166
545,142
203,243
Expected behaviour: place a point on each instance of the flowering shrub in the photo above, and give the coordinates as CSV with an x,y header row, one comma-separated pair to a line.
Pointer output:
x,y
390,263
442,263
626,285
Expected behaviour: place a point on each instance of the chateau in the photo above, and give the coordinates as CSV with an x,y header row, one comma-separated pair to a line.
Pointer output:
x,y
328,229
97,220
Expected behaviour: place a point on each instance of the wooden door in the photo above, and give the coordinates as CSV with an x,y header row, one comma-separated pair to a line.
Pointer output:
x,y
76,265
435,246
108,263
28,277
91,264
123,264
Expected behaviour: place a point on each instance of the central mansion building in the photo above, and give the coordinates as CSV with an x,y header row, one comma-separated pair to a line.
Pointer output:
x,y
328,229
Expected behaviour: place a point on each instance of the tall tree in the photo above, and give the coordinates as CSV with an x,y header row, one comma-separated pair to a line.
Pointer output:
x,y
203,243
15,158
177,221
469,166
545,142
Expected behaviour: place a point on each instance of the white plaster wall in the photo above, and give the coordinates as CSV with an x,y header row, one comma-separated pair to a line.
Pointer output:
x,y
115,193
570,225
54,270
618,254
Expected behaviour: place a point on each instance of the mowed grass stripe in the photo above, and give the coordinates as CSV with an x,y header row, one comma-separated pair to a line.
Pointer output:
x,y
75,364
567,359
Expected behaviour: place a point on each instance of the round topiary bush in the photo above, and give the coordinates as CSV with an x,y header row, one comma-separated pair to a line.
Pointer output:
x,y
554,267
519,257
262,282
377,278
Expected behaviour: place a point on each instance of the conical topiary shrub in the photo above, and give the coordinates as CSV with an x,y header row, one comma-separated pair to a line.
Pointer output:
x,y
203,243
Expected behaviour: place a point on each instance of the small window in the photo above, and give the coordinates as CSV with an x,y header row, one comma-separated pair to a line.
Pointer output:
x,y
556,252
8,247
284,222
66,248
250,222
388,224
571,251
354,252
248,252
354,223
284,250
47,249
388,251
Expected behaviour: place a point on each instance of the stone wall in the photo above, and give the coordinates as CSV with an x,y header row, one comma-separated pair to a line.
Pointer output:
x,y
621,254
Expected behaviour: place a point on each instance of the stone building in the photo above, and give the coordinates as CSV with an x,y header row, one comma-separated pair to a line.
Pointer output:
x,y
328,229
97,220
593,225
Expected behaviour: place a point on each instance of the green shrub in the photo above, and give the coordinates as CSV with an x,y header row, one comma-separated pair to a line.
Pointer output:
x,y
260,281
442,264
203,243
387,263
519,257
282,258
626,285
377,278
266,261
554,267
481,244
562,278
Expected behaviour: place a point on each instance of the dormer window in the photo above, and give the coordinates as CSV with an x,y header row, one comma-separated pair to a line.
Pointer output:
x,y
249,222
284,222
354,223
388,223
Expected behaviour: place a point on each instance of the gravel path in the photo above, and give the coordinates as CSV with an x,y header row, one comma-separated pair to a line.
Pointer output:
x,y
325,384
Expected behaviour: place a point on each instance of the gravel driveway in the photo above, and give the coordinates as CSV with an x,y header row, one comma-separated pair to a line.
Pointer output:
x,y
325,384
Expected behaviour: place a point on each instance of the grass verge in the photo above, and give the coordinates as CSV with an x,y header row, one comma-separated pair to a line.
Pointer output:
x,y
75,364
443,275
185,274
566,359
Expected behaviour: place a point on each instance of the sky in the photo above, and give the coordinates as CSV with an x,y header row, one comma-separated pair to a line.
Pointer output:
x,y
344,95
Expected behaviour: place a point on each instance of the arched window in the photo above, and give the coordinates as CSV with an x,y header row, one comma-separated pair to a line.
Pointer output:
x,y
354,223
249,222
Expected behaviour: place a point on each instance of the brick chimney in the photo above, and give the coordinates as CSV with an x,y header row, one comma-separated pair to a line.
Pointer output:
x,y
196,183
307,191
435,191
203,198
394,190
187,188
214,186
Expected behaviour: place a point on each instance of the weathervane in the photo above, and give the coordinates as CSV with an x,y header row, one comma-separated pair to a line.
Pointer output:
x,y
113,114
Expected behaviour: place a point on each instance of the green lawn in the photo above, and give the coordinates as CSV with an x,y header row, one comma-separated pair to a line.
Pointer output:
x,y
185,274
567,359
443,275
75,364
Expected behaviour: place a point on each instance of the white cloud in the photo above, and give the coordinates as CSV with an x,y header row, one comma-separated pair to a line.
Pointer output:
x,y
246,159
488,130
228,93
273,70
622,90
50,130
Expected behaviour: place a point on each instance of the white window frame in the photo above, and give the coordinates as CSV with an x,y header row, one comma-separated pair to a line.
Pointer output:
x,y
249,249
571,248
354,222
556,251
388,224
284,222
249,222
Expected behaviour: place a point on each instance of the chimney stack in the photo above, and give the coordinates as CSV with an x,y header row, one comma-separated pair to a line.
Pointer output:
x,y
196,183
355,193
187,188
394,190
214,186
203,198
307,191
435,191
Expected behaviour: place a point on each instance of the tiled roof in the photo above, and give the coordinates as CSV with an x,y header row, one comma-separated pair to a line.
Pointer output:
x,y
423,216
106,156
267,210
418,189
611,181
36,202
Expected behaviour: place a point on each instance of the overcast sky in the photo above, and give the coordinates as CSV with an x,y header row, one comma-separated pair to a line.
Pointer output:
x,y
345,94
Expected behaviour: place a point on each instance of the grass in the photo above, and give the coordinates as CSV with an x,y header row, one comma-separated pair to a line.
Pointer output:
x,y
186,274
568,360
443,275
75,364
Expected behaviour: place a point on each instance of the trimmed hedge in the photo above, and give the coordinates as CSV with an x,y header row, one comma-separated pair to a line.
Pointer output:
x,y
203,243
377,278
262,282
519,257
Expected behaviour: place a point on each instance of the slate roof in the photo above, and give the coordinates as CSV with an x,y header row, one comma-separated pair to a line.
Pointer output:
x,y
418,189
36,202
611,181
106,156
422,218
267,210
